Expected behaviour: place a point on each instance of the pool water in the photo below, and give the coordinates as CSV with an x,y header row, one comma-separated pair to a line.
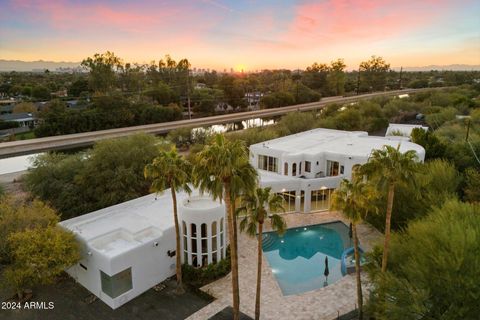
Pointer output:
x,y
297,258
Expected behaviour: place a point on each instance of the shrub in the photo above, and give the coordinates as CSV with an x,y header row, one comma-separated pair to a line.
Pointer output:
x,y
17,217
295,122
433,268
39,256
199,277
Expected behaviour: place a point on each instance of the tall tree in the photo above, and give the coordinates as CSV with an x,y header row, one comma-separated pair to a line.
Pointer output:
x,y
171,170
354,199
389,167
315,77
373,74
336,77
222,168
102,68
254,207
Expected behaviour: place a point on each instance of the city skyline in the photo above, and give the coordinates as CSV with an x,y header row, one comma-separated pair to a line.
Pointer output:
x,y
246,35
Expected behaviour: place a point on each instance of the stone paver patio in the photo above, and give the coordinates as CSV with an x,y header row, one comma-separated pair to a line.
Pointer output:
x,y
324,303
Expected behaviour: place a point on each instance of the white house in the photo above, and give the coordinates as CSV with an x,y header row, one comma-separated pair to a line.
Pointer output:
x,y
306,167
128,248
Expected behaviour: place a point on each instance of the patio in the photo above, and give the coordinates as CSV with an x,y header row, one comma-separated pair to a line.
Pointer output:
x,y
324,303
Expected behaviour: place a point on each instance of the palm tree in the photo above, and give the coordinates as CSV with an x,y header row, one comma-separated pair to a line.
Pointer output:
x,y
254,206
171,170
388,168
222,168
354,199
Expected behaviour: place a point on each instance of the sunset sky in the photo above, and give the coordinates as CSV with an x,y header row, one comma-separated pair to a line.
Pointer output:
x,y
244,34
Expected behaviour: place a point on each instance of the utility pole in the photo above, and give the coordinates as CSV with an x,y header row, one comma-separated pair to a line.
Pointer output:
x,y
400,80
358,82
468,130
188,94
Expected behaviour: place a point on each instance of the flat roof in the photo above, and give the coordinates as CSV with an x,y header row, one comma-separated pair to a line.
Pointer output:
x,y
119,228
354,143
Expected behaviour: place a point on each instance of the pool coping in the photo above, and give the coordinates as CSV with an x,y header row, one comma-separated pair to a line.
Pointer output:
x,y
322,303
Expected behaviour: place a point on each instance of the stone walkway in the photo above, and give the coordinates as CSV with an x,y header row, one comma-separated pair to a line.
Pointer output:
x,y
324,303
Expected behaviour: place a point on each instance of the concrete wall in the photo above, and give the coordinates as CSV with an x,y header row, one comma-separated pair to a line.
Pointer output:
x,y
150,265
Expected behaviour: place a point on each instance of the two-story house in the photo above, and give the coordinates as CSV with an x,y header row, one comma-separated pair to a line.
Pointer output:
x,y
306,167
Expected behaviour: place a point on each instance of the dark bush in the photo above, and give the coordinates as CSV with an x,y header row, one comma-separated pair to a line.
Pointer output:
x,y
198,277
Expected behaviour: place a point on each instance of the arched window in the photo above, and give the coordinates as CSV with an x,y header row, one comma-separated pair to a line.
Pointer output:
x,y
285,169
294,169
204,230
214,228
221,225
184,227
193,231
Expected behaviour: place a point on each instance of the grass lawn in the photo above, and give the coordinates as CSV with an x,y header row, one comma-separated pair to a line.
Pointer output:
x,y
69,300
25,135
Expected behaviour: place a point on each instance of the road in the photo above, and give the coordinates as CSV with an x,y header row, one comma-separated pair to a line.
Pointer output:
x,y
25,147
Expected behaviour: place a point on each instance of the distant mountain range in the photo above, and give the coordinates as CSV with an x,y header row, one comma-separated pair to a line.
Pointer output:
x,y
18,65
450,67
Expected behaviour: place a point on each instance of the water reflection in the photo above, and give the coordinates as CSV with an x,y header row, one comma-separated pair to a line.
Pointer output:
x,y
22,163
16,164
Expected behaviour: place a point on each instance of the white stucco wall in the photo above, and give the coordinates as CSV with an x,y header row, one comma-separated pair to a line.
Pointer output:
x,y
317,146
136,234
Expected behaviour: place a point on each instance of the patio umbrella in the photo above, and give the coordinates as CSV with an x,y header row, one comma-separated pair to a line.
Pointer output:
x,y
326,272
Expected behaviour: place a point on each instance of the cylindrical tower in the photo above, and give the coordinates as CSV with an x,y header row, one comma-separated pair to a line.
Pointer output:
x,y
203,230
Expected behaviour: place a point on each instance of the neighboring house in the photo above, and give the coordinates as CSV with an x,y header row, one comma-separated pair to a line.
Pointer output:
x,y
60,93
253,98
223,107
200,85
402,130
24,119
305,168
128,248
6,108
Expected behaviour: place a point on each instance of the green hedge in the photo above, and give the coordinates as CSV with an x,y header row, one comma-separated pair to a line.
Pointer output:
x,y
199,277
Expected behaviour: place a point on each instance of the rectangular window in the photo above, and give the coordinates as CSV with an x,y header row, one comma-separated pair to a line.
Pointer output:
x,y
267,163
332,168
288,201
342,168
320,199
117,284
307,166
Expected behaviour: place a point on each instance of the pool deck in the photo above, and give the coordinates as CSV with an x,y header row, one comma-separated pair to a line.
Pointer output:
x,y
324,303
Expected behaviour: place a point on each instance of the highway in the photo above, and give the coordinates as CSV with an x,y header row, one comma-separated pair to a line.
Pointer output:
x,y
31,146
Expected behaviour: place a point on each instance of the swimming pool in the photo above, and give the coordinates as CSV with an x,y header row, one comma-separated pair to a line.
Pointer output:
x,y
297,258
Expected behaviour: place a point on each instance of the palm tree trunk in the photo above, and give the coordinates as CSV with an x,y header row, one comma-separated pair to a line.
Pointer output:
x,y
178,255
357,272
388,218
259,271
233,253
235,238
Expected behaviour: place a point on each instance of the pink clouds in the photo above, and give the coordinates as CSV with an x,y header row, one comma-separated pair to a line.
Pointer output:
x,y
84,16
335,21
